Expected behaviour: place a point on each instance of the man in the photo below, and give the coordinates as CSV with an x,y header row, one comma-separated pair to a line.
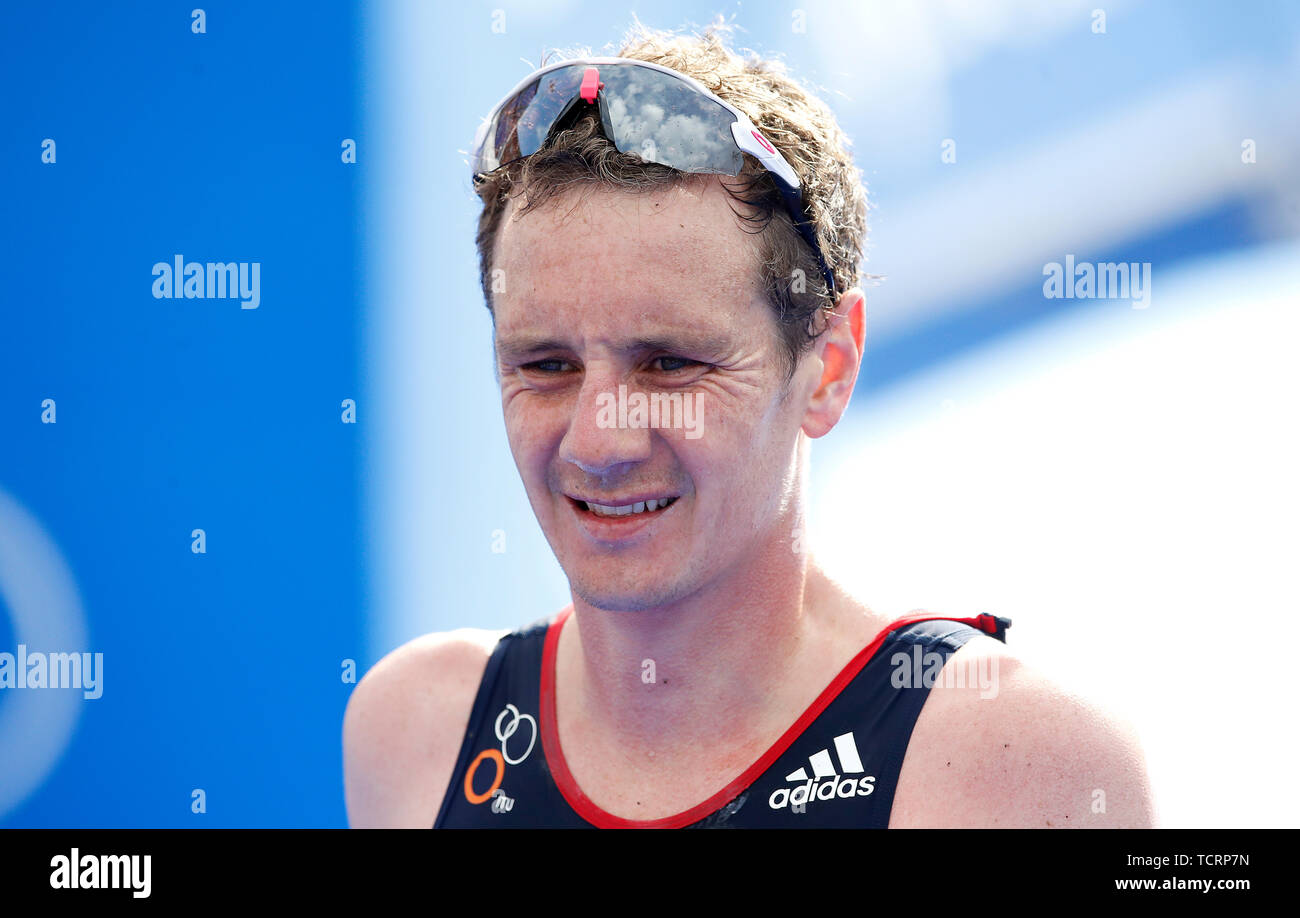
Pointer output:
x,y
670,255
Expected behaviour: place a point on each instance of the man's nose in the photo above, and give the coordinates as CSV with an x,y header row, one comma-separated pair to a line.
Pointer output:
x,y
598,440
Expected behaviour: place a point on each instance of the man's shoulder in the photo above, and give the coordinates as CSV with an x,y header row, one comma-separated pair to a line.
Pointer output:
x,y
402,727
1018,749
441,660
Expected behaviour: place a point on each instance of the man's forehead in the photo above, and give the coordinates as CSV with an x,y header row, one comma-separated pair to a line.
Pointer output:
x,y
677,243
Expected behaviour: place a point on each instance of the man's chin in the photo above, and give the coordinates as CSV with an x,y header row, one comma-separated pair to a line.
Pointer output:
x,y
628,598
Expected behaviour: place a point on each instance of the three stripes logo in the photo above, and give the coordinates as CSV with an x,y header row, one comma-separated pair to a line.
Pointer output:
x,y
825,783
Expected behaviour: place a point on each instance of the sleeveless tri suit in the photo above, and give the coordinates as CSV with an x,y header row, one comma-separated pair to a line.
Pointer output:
x,y
836,767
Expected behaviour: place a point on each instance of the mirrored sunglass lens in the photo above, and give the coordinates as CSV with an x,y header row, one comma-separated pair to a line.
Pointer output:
x,y
520,128
663,120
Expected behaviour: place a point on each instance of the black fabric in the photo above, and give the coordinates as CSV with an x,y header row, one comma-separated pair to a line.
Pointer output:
x,y
873,716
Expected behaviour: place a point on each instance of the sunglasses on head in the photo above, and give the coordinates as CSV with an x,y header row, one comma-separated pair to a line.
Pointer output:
x,y
645,109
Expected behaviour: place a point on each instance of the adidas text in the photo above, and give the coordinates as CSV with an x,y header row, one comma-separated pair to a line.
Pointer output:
x,y
821,790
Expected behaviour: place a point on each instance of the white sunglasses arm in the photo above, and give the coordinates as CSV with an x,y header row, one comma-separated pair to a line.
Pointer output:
x,y
756,145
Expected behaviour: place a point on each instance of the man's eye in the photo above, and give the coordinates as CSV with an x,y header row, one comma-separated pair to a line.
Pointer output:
x,y
553,365
671,364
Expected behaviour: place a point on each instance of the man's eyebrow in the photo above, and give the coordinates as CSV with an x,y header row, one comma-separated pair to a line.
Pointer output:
x,y
522,347
692,342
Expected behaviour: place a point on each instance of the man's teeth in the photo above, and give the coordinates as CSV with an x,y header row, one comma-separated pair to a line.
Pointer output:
x,y
638,507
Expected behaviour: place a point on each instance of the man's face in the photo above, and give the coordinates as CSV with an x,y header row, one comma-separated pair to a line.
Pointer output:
x,y
656,292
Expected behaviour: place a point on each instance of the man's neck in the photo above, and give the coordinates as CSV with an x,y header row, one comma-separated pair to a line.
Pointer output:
x,y
724,669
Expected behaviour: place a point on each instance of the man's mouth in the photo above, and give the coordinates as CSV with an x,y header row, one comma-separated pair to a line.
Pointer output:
x,y
633,508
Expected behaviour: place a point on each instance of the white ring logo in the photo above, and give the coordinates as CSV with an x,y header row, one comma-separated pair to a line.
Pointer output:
x,y
37,586
509,731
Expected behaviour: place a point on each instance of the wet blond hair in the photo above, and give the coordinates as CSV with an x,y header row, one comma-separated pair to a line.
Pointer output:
x,y
799,124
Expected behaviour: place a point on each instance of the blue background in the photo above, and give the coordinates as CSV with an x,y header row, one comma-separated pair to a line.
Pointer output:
x,y
221,670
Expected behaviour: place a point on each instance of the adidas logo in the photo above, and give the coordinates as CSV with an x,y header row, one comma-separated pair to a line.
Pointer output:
x,y
834,785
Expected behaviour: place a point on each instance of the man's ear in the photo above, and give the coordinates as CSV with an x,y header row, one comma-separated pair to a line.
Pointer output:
x,y
839,348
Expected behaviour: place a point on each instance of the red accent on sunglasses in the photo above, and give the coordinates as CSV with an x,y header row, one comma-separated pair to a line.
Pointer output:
x,y
591,84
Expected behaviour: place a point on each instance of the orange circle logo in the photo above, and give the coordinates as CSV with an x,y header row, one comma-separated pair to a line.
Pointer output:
x,y
496,757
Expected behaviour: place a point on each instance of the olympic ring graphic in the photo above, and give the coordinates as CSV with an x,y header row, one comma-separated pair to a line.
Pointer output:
x,y
495,756
509,731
